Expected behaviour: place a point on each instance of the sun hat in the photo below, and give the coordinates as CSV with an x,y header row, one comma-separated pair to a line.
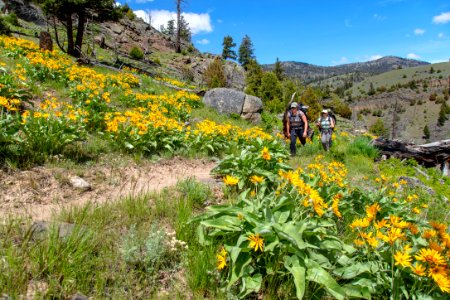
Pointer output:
x,y
324,111
294,104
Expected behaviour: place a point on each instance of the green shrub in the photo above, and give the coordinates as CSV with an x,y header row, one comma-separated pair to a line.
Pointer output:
x,y
137,53
12,19
379,129
361,146
4,28
215,75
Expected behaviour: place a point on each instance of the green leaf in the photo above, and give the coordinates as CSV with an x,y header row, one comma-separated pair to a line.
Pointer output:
x,y
317,274
242,260
359,292
225,223
250,284
352,271
281,216
128,145
298,272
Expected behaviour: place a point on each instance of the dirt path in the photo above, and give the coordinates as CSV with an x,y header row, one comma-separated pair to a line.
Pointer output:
x,y
39,192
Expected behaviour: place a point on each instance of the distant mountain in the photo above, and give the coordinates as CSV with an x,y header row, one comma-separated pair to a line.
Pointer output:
x,y
309,73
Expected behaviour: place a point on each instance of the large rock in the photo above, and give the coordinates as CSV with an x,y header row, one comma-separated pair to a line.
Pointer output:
x,y
252,104
229,101
235,75
225,101
27,11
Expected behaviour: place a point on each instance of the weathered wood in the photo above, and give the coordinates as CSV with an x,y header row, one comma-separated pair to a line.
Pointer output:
x,y
429,155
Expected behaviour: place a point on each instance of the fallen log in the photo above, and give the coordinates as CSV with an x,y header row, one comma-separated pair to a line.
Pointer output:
x,y
429,155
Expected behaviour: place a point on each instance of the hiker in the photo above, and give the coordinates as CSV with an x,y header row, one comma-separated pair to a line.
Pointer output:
x,y
326,126
296,126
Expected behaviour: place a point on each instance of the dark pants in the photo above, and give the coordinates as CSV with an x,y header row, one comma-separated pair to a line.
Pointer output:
x,y
294,134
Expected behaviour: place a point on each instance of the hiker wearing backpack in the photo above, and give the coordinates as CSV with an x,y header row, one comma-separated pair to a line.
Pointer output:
x,y
296,126
326,126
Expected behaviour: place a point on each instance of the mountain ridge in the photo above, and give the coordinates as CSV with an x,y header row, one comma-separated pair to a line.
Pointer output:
x,y
312,73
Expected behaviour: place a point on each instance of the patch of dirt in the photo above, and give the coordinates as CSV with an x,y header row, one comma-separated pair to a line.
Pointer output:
x,y
41,191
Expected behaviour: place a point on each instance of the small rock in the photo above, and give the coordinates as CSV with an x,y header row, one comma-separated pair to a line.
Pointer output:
x,y
40,228
79,183
79,297
415,182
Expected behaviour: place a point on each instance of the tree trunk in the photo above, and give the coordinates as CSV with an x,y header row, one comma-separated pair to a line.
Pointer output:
x,y
178,42
430,155
80,33
70,45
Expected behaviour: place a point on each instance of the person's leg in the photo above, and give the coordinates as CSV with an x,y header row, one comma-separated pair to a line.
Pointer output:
x,y
293,140
325,136
301,138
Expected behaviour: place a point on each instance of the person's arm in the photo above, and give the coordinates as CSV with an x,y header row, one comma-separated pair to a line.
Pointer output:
x,y
305,121
288,125
332,123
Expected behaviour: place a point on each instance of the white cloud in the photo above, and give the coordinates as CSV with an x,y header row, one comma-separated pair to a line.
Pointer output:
x,y
143,1
441,35
419,31
379,18
375,57
198,23
413,56
203,42
343,60
442,18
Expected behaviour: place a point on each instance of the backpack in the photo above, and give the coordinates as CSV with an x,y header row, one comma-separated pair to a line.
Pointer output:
x,y
301,108
333,117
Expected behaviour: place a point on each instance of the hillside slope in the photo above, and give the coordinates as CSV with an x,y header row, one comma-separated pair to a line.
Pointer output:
x,y
313,73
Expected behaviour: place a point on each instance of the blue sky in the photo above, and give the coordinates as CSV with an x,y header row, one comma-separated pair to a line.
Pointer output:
x,y
322,32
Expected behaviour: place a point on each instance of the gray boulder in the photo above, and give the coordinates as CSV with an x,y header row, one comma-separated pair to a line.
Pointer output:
x,y
79,183
225,101
229,101
252,104
235,75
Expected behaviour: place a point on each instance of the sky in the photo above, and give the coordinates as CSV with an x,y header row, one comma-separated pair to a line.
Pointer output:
x,y
321,32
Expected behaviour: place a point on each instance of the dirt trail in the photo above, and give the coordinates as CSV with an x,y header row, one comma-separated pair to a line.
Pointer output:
x,y
39,192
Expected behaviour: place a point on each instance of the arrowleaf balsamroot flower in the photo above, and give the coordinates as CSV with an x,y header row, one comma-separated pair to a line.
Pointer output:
x,y
230,180
256,242
222,259
266,154
402,259
255,179
430,256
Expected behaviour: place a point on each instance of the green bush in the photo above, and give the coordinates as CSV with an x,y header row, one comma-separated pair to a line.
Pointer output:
x,y
137,53
379,129
12,19
215,75
4,28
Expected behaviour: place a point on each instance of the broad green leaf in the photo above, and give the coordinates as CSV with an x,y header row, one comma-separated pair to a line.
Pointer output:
x,y
238,268
352,271
225,223
317,274
298,272
250,284
281,216
358,292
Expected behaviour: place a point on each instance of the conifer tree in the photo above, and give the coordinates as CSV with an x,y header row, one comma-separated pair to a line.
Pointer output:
x,y
271,92
426,132
170,28
442,114
228,46
246,52
278,70
65,11
253,78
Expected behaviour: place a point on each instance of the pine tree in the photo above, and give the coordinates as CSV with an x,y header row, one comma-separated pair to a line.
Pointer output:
x,y
66,11
170,28
185,31
228,46
278,70
270,92
246,52
426,132
442,114
371,90
253,78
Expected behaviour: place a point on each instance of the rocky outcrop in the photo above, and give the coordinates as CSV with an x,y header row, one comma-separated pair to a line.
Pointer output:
x,y
229,101
27,11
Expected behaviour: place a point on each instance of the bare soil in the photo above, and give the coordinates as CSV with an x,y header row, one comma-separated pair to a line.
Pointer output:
x,y
39,192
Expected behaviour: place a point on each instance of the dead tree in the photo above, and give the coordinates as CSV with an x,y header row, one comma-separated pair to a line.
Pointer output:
x,y
429,155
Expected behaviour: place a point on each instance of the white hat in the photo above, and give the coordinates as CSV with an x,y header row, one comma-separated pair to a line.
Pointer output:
x,y
294,104
324,111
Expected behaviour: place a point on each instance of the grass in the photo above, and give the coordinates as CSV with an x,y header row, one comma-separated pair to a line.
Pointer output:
x,y
102,256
